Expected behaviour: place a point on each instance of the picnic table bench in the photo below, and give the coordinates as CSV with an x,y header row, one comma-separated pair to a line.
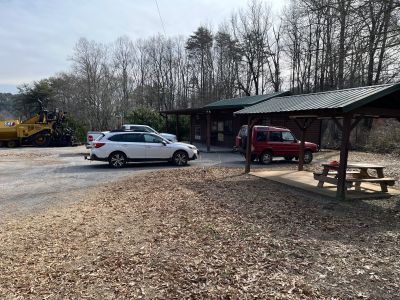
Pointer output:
x,y
329,174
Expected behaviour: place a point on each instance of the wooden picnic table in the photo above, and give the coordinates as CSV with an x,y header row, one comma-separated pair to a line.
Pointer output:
x,y
358,174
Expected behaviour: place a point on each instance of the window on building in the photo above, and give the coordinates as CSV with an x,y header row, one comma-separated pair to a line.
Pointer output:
x,y
228,128
220,137
197,133
220,126
214,126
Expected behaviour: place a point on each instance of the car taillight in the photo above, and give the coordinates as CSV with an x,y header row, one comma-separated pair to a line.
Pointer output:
x,y
90,137
98,145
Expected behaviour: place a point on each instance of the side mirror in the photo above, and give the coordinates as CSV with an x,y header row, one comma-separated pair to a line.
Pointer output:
x,y
164,143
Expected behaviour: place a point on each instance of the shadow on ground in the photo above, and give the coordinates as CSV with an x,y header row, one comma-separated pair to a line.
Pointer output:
x,y
291,212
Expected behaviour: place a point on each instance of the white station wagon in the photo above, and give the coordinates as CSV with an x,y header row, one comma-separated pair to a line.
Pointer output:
x,y
121,147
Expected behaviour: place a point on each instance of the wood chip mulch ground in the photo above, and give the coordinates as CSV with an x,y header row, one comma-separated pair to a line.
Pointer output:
x,y
203,233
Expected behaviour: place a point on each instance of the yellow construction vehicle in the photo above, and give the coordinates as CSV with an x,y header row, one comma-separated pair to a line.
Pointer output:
x,y
41,130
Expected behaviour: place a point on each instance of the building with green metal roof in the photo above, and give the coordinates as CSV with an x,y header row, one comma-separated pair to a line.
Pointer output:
x,y
242,102
332,102
216,124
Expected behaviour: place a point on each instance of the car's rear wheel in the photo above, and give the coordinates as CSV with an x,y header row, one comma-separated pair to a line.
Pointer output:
x,y
117,160
266,157
180,158
308,157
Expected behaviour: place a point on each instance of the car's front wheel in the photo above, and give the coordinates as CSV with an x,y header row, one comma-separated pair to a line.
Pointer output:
x,y
117,160
180,158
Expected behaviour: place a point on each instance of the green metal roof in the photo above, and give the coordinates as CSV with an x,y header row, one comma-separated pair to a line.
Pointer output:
x,y
244,101
344,100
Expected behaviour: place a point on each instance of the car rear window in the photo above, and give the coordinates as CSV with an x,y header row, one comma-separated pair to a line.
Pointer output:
x,y
243,132
117,138
134,138
141,129
261,136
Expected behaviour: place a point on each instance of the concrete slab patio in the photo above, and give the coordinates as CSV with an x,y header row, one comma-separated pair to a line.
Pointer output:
x,y
305,180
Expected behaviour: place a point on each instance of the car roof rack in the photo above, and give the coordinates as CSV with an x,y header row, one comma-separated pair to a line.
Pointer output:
x,y
128,130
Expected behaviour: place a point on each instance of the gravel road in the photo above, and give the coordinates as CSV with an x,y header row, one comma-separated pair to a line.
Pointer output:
x,y
35,177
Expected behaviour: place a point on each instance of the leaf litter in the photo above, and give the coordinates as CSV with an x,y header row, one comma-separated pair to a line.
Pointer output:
x,y
211,233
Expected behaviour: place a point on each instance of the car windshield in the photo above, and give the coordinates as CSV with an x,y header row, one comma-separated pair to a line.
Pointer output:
x,y
152,130
140,128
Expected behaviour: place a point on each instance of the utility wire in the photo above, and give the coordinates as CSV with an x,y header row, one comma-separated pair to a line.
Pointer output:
x,y
159,14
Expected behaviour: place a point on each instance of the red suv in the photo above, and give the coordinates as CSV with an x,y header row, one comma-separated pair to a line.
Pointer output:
x,y
269,142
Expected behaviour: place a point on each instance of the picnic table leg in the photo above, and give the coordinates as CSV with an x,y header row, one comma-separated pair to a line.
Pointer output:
x,y
384,188
325,172
363,174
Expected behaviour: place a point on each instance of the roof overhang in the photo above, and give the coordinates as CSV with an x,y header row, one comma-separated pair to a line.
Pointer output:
x,y
366,103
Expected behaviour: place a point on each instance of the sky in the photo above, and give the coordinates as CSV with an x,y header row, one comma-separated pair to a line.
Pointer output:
x,y
38,36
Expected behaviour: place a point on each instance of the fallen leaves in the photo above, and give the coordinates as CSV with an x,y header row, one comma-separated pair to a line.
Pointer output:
x,y
202,233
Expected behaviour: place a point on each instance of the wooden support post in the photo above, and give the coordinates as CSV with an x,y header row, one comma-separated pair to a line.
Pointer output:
x,y
191,129
301,152
177,126
166,122
208,134
303,127
344,153
248,144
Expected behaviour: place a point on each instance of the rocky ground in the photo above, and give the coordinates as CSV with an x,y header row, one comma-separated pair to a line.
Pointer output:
x,y
202,233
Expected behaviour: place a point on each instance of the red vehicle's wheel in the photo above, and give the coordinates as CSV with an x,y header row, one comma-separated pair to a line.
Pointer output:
x,y
266,157
308,157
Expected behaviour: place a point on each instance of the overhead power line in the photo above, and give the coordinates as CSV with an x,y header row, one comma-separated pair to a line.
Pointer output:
x,y
159,14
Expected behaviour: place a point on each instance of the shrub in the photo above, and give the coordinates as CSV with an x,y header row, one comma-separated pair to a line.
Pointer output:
x,y
384,138
146,116
78,127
